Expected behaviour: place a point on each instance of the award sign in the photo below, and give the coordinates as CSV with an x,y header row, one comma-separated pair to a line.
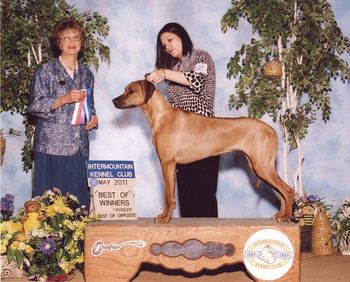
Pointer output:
x,y
112,189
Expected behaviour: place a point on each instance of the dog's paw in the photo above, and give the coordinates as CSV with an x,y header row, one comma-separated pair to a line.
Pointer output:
x,y
162,219
279,217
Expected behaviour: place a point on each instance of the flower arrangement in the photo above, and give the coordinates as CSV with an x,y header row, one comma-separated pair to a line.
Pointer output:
x,y
13,241
340,223
7,206
305,208
47,236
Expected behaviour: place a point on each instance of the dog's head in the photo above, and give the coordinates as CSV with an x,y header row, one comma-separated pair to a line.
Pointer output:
x,y
136,94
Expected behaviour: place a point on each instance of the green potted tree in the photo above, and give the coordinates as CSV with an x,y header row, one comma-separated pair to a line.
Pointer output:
x,y
304,38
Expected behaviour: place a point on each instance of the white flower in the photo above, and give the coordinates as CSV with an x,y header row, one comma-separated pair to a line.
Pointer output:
x,y
21,246
40,233
26,262
73,197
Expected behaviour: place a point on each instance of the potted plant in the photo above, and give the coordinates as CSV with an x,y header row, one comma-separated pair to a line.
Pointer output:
x,y
341,227
56,234
45,238
14,246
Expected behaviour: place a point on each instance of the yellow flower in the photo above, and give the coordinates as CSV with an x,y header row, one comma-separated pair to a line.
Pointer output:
x,y
79,259
17,226
66,222
78,235
79,232
14,245
21,246
67,266
11,227
8,236
3,248
28,250
51,211
70,247
81,225
4,242
71,225
21,237
58,207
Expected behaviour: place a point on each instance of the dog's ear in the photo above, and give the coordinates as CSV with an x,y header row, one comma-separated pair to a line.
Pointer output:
x,y
147,88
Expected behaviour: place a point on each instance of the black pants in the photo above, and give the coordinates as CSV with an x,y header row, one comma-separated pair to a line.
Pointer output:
x,y
197,185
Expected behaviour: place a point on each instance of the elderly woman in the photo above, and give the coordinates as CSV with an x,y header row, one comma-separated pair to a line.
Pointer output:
x,y
61,141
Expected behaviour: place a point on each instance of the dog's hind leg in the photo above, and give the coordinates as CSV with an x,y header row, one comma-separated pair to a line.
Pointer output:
x,y
267,172
286,210
287,197
168,170
258,181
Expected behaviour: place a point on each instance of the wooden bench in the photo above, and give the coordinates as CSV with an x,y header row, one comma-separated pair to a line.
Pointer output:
x,y
115,250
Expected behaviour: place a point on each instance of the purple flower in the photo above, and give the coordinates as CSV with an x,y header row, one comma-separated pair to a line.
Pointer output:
x,y
48,246
7,202
313,198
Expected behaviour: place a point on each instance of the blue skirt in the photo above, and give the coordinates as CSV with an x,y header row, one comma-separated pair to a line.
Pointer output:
x,y
68,173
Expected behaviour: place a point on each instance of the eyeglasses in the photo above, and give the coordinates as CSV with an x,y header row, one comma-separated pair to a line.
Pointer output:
x,y
69,38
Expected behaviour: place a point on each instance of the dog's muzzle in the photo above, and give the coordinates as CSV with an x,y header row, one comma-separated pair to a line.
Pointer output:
x,y
119,103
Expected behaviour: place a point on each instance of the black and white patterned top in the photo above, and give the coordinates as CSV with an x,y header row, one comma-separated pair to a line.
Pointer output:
x,y
198,68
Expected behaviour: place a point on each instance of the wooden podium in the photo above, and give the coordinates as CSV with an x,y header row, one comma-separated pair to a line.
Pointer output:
x,y
115,250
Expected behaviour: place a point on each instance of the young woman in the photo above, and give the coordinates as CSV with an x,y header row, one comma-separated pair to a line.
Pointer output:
x,y
61,149
190,74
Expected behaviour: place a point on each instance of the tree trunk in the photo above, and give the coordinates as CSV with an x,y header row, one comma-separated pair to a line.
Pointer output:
x,y
285,175
298,175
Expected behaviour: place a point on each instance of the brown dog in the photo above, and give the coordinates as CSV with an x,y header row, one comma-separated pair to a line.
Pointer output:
x,y
177,137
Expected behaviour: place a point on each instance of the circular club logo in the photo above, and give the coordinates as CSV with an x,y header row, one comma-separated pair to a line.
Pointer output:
x,y
93,182
268,254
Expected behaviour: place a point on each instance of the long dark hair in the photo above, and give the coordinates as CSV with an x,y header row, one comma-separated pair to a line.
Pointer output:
x,y
164,60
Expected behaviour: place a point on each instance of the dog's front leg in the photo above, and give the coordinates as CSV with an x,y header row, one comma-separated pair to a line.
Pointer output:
x,y
169,185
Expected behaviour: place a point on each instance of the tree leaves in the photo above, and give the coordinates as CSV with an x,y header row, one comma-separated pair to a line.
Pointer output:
x,y
312,48
305,38
28,26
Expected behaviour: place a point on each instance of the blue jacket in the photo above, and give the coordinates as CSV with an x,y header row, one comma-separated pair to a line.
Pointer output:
x,y
54,133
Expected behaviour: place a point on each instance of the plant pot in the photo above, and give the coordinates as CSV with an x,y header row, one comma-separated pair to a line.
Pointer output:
x,y
10,270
